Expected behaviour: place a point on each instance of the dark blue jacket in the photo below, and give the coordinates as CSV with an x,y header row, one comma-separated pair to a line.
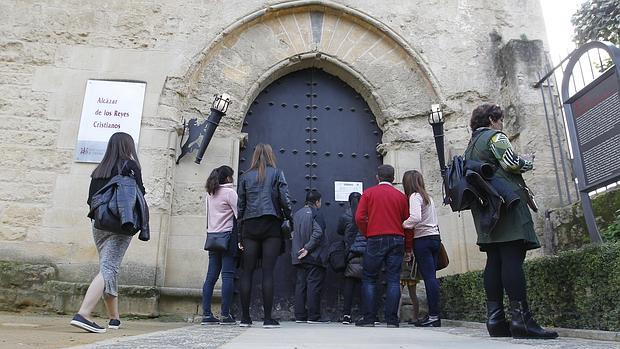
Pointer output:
x,y
120,207
354,241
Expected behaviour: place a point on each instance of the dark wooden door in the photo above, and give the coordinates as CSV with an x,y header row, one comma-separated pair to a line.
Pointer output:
x,y
321,131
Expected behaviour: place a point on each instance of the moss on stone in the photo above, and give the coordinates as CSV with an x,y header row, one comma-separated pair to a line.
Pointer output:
x,y
24,275
606,206
569,225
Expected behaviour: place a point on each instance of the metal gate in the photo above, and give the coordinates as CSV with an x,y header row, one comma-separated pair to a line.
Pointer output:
x,y
321,131
578,73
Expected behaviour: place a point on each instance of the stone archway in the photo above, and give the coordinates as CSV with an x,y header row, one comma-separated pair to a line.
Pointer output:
x,y
264,46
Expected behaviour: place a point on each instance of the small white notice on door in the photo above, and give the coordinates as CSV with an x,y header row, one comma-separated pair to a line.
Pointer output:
x,y
343,189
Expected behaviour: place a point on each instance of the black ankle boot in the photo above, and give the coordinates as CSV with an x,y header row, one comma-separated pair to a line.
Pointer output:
x,y
496,320
524,326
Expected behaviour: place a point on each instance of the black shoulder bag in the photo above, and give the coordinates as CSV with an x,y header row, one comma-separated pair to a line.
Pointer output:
x,y
219,241
286,229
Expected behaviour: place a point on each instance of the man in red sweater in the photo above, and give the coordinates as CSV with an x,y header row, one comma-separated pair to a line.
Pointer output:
x,y
379,216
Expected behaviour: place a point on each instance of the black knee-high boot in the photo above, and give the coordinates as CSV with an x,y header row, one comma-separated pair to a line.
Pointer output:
x,y
524,326
497,325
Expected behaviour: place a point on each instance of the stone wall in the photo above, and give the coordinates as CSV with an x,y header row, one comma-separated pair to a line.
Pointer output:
x,y
567,226
400,56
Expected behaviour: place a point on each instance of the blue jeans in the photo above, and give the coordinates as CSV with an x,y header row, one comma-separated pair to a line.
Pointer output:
x,y
426,251
388,249
224,262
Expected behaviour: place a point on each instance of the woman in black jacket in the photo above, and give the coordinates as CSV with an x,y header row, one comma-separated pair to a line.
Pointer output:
x,y
355,244
263,204
120,157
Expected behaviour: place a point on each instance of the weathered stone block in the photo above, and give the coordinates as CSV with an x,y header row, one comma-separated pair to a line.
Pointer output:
x,y
53,160
37,139
186,267
22,101
188,199
71,190
157,138
141,261
192,238
68,133
26,124
12,233
22,215
14,78
402,160
47,78
28,193
19,275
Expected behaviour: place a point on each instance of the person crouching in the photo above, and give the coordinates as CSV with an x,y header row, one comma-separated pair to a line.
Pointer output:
x,y
307,253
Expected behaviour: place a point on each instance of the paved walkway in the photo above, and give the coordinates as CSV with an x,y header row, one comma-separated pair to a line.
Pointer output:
x,y
302,336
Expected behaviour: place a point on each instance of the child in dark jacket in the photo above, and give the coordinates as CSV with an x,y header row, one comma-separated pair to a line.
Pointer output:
x,y
308,256
355,244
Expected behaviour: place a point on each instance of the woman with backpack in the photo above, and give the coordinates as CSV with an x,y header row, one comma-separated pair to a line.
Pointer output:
x,y
427,243
263,204
355,245
120,158
221,213
513,234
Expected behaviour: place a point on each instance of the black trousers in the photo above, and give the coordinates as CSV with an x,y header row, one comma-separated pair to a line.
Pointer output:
x,y
268,251
308,291
504,270
352,286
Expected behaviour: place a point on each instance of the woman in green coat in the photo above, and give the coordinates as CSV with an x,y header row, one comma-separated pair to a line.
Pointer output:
x,y
507,242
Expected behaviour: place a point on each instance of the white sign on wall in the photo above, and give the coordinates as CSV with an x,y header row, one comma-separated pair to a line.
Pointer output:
x,y
343,189
109,107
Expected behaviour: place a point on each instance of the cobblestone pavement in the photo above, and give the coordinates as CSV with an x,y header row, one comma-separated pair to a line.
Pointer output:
x,y
300,336
195,336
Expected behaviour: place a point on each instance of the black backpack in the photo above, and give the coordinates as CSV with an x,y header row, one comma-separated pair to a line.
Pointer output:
x,y
337,256
464,181
457,192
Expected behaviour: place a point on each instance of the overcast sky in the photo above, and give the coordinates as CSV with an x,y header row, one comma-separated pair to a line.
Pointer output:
x,y
557,15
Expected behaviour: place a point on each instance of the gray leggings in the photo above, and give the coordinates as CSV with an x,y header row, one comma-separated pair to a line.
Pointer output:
x,y
111,248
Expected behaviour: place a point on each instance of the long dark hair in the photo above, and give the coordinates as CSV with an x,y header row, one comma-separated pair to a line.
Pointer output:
x,y
262,157
413,182
218,177
120,147
354,200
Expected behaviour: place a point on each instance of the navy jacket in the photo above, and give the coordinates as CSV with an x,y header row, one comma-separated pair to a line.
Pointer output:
x,y
354,241
120,207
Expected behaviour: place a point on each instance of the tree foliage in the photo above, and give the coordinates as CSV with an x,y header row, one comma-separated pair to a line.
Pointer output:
x,y
597,20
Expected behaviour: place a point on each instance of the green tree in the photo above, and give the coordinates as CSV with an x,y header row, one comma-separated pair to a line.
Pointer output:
x,y
597,20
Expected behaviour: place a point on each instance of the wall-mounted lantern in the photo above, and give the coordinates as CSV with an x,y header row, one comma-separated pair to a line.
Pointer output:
x,y
435,118
206,129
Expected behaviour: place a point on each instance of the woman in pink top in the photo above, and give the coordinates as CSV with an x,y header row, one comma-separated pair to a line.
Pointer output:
x,y
423,221
221,217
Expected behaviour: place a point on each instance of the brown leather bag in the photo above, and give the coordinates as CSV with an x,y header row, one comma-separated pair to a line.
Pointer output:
x,y
442,259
